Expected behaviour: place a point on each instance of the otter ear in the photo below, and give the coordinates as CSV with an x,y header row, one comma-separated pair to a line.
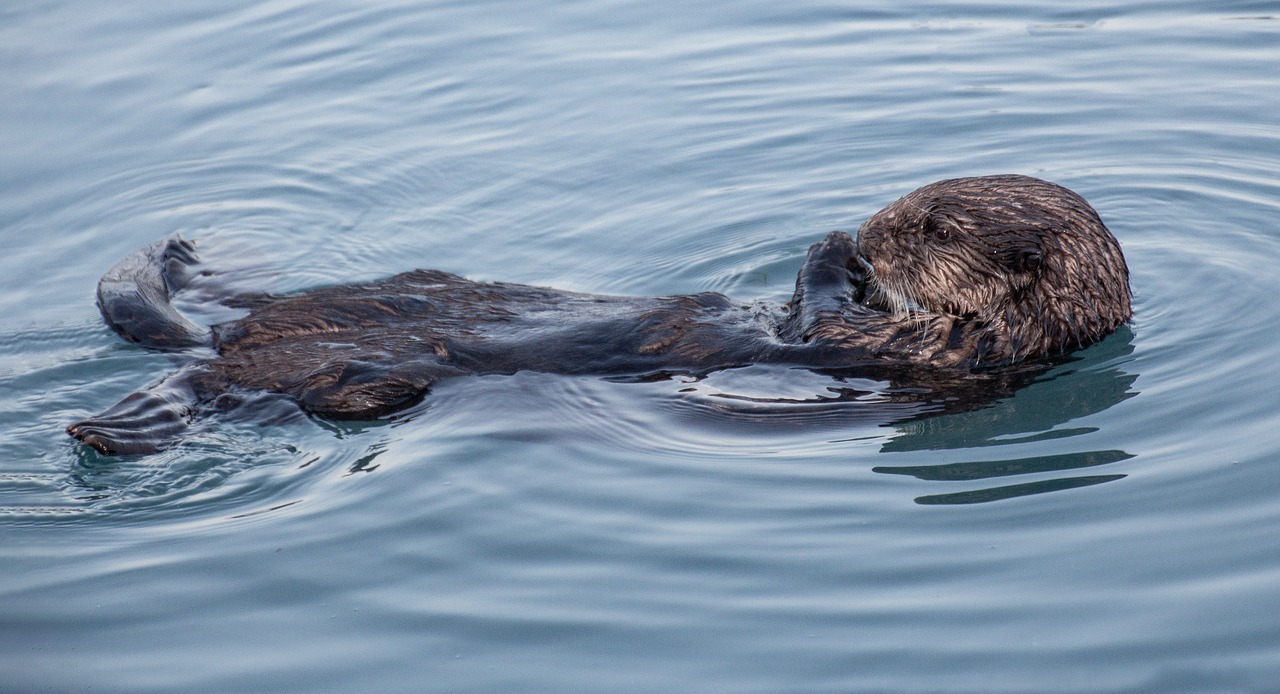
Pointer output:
x,y
1024,254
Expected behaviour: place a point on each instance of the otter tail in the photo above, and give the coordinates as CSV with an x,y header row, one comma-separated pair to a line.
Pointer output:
x,y
134,296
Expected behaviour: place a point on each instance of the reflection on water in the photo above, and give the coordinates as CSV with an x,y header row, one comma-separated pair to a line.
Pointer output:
x,y
1088,384
979,496
717,534
1044,410
932,416
951,472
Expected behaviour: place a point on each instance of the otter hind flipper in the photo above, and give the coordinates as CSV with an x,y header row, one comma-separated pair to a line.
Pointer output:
x,y
134,296
146,421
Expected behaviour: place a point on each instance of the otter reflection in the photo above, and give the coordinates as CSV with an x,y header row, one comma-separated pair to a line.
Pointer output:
x,y
1081,386
959,277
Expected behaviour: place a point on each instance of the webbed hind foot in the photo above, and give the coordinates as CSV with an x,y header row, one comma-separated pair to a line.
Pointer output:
x,y
143,422
177,257
134,296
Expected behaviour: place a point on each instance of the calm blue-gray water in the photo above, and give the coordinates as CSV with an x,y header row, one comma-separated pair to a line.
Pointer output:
x,y
1114,527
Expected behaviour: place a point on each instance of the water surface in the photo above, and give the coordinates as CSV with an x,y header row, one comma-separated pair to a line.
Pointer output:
x,y
1111,527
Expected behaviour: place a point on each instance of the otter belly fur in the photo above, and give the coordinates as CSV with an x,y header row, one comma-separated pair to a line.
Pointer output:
x,y
958,275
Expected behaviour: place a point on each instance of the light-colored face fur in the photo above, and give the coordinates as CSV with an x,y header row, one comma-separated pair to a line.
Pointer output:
x,y
1022,255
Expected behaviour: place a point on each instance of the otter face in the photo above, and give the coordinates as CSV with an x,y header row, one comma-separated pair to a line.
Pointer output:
x,y
1021,254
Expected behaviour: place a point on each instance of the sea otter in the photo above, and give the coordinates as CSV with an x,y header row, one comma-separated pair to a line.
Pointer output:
x,y
960,275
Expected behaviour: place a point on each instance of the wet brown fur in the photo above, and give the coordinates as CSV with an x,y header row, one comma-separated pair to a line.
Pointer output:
x,y
960,274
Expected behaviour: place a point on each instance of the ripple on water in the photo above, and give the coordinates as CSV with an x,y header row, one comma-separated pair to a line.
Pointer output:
x,y
753,529
66,373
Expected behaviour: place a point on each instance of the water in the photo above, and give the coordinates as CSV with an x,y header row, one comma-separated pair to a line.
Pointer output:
x,y
1112,528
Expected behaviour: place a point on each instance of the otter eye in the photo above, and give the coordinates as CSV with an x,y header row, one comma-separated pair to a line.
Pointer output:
x,y
941,232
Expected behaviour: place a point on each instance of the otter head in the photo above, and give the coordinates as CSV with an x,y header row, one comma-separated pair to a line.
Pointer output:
x,y
1028,262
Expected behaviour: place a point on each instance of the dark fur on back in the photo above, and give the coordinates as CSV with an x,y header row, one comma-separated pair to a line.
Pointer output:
x,y
965,273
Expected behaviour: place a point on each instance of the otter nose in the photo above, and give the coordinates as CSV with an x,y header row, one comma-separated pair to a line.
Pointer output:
x,y
868,242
